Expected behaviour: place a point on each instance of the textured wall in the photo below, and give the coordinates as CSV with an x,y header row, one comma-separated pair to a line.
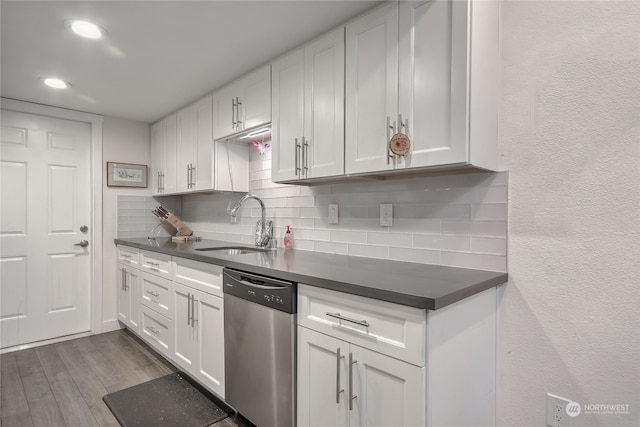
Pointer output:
x,y
123,141
570,129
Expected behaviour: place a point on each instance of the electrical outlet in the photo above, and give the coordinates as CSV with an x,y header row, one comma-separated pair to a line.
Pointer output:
x,y
333,213
386,215
557,415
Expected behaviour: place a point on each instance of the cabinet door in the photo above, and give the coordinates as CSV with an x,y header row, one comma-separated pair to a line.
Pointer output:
x,y
433,81
324,106
254,94
371,89
157,157
124,301
129,296
287,109
386,391
185,347
322,380
170,135
202,163
223,113
185,147
209,326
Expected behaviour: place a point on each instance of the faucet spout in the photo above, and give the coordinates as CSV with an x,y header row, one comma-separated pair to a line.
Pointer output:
x,y
264,228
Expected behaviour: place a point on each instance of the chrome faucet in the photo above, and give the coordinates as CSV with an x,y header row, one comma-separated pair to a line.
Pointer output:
x,y
264,228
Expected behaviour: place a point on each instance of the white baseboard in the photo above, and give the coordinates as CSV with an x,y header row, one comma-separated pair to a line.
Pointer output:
x,y
109,325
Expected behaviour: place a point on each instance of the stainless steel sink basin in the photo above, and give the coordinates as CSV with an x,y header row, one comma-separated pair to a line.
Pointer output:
x,y
233,250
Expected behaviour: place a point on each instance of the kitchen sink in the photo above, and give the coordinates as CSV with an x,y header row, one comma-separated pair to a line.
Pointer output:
x,y
233,250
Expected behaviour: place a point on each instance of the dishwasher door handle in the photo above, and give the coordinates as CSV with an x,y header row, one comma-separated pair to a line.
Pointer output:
x,y
255,285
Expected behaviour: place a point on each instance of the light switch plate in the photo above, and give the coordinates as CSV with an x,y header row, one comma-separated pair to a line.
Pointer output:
x,y
386,215
333,213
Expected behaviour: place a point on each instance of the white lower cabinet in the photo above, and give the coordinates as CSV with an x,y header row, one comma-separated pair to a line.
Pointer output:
x,y
199,324
343,384
359,362
129,296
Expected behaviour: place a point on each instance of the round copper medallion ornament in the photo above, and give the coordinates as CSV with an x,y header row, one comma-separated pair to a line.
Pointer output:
x,y
400,144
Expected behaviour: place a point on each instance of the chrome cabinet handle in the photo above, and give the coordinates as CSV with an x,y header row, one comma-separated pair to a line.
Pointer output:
x,y
348,319
124,280
155,264
351,395
193,184
189,309
296,155
239,123
305,156
125,256
233,113
153,294
188,176
153,330
389,127
193,310
338,389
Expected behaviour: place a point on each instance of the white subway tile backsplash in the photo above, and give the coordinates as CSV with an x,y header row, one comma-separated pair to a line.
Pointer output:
x,y
332,248
451,243
348,236
475,228
495,211
390,239
473,260
368,251
458,220
422,256
489,245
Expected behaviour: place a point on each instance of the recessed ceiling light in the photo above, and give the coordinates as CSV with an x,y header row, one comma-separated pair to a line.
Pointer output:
x,y
86,29
55,83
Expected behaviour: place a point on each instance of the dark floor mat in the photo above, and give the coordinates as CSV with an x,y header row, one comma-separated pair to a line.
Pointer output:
x,y
168,401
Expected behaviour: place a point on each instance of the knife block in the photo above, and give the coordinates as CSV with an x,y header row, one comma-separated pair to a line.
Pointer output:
x,y
181,227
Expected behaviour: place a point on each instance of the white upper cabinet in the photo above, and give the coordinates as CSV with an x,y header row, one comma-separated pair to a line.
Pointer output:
x,y
195,147
443,57
163,155
185,158
371,89
308,111
244,104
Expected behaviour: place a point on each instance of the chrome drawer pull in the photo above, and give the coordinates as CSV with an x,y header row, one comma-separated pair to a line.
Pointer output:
x,y
153,294
357,322
153,330
338,389
154,264
125,255
351,395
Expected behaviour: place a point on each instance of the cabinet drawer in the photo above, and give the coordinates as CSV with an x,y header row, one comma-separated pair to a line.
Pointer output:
x,y
156,294
155,263
127,255
199,275
157,330
393,329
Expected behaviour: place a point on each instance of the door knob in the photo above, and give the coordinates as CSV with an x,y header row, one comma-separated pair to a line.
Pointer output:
x,y
82,243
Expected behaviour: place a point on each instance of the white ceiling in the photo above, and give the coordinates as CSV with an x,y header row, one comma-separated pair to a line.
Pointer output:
x,y
157,55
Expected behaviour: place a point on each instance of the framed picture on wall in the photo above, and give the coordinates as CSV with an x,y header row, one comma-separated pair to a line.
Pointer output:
x,y
126,175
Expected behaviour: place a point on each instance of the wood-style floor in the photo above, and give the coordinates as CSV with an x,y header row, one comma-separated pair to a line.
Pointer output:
x,y
62,384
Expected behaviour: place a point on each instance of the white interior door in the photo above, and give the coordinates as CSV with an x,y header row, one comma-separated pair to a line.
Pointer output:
x,y
45,179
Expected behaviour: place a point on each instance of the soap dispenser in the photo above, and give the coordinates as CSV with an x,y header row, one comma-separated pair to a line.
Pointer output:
x,y
288,238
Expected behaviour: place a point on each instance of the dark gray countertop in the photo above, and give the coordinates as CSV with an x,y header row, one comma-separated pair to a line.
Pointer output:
x,y
416,285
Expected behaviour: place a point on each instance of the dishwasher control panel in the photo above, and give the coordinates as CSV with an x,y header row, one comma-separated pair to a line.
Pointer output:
x,y
262,290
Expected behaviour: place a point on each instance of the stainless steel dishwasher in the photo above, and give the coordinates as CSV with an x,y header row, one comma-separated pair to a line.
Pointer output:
x,y
259,347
